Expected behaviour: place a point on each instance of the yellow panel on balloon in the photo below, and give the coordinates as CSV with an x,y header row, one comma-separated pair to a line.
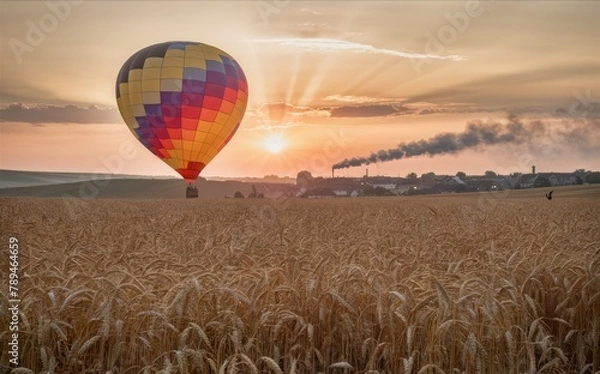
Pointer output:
x,y
173,62
222,118
151,85
136,98
137,110
195,63
193,47
212,151
231,123
187,149
176,144
174,53
153,62
211,138
175,163
211,54
194,53
204,125
135,76
151,73
188,135
170,162
172,153
171,73
151,97
217,128
199,137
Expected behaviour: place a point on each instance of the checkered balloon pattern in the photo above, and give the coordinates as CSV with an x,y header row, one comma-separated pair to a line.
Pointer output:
x,y
183,101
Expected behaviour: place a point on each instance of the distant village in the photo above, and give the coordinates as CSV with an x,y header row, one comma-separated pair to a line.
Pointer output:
x,y
308,186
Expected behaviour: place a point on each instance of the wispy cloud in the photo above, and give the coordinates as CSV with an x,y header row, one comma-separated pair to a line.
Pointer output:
x,y
271,125
58,114
373,110
326,45
362,99
281,111
310,11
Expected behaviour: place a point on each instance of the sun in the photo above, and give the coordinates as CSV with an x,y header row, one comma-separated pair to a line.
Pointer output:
x,y
274,143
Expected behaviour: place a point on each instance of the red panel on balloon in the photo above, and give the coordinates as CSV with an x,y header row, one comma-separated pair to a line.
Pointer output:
x,y
227,107
212,103
230,95
189,174
174,133
166,143
190,112
195,165
214,90
189,124
208,115
163,154
161,133
172,122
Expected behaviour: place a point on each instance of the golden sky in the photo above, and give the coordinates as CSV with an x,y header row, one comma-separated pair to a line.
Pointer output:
x,y
328,80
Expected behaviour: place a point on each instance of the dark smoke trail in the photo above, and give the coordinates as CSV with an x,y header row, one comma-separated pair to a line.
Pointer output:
x,y
476,135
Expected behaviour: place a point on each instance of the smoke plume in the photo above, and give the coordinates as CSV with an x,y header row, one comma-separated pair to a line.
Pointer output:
x,y
478,134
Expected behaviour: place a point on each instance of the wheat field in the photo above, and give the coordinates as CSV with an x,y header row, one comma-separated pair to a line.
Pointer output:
x,y
476,283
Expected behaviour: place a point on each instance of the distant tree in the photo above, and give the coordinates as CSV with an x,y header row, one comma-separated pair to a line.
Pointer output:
x,y
238,195
490,174
377,191
429,176
304,174
303,179
593,177
461,174
412,175
253,194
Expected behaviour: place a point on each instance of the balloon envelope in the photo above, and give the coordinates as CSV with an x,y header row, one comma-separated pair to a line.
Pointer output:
x,y
183,101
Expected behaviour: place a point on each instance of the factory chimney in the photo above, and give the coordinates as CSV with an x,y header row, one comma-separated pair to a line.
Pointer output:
x,y
332,173
533,169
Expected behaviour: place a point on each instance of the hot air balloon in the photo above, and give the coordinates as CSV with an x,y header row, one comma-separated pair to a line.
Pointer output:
x,y
183,101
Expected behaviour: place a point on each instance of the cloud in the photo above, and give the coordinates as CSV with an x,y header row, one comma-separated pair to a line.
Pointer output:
x,y
310,11
328,45
377,110
274,125
280,111
58,114
362,99
515,85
